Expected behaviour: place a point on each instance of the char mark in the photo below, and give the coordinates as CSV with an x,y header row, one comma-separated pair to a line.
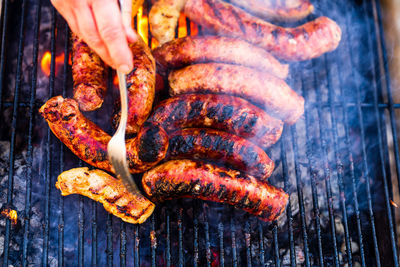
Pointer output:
x,y
195,109
150,145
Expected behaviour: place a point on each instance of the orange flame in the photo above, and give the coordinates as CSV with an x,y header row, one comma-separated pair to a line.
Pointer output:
x,y
394,204
10,214
142,25
46,62
182,29
194,30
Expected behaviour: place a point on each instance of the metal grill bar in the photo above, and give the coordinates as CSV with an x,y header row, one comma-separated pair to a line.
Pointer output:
x,y
289,205
261,237
299,185
13,133
180,239
221,244
276,245
47,178
233,237
313,173
30,130
153,240
122,253
3,49
109,250
195,235
168,252
61,221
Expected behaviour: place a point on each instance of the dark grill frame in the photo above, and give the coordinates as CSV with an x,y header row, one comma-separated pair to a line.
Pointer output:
x,y
382,254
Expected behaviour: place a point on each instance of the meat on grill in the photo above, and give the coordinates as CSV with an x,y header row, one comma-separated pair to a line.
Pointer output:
x,y
283,10
202,49
193,179
301,43
102,187
141,88
163,18
260,88
87,141
224,112
220,147
89,75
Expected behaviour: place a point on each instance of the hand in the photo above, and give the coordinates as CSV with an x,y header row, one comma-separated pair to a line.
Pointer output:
x,y
100,24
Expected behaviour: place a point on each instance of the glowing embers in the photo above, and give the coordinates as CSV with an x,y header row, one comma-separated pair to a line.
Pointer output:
x,y
10,214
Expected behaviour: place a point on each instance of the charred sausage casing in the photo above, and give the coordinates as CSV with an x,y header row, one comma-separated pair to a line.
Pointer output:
x,y
260,88
220,147
286,10
304,42
228,113
102,187
141,88
202,49
89,74
193,179
87,141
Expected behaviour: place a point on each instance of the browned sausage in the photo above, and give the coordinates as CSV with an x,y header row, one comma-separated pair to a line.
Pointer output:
x,y
87,141
140,84
202,49
301,43
192,179
89,74
260,88
224,112
111,192
285,10
221,147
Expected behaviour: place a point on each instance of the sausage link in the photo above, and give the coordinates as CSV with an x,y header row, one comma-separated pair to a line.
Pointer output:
x,y
87,141
260,88
224,112
304,42
89,74
203,49
109,191
163,18
221,147
286,10
141,88
193,179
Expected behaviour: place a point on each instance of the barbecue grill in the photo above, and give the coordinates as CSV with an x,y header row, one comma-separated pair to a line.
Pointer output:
x,y
334,163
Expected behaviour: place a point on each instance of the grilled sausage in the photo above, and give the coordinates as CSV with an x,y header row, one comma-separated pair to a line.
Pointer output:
x,y
141,88
222,147
228,113
87,141
102,187
260,88
301,43
285,10
192,179
163,18
202,49
89,74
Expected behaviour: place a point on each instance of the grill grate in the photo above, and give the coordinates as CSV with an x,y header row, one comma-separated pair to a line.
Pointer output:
x,y
335,164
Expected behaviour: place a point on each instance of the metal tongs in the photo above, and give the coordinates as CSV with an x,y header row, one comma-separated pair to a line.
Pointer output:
x,y
116,148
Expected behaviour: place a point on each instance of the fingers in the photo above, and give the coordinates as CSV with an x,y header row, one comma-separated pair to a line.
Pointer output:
x,y
67,13
90,34
109,24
